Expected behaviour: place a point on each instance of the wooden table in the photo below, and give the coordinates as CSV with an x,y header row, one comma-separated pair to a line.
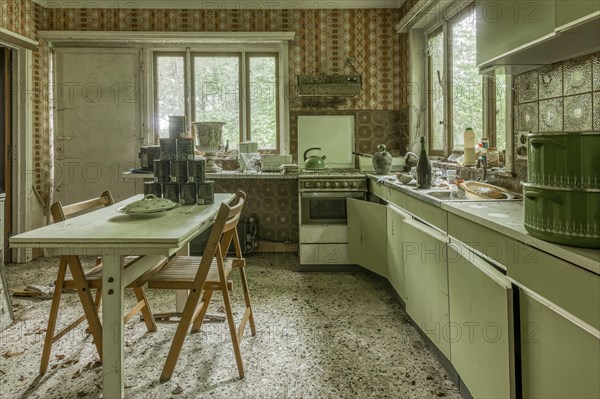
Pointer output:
x,y
113,235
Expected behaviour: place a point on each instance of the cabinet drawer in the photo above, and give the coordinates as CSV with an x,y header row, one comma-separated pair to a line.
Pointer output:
x,y
378,190
574,289
430,213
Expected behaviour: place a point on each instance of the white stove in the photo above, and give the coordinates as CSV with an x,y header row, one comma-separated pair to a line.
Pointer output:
x,y
323,215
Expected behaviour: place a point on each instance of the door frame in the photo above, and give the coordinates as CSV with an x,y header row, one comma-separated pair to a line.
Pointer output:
x,y
26,211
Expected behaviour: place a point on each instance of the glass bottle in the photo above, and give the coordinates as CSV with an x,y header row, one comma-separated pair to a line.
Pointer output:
x,y
423,168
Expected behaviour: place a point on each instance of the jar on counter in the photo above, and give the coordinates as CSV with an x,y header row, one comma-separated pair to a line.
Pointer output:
x,y
493,157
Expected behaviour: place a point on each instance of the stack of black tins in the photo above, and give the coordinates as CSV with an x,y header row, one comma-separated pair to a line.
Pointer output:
x,y
181,181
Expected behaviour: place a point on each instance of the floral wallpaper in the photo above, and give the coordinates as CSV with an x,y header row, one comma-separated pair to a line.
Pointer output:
x,y
19,16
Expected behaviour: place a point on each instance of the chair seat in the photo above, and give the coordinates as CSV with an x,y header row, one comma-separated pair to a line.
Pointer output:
x,y
94,275
181,271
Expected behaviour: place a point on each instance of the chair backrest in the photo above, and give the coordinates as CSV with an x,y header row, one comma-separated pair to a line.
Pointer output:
x,y
60,212
224,230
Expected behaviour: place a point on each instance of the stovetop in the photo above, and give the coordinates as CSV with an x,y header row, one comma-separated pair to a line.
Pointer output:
x,y
330,173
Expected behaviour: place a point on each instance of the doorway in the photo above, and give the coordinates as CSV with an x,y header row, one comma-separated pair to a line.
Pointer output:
x,y
6,111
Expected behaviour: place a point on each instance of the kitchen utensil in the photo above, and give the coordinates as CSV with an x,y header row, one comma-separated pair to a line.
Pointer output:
x,y
149,204
477,190
314,161
564,159
562,215
404,178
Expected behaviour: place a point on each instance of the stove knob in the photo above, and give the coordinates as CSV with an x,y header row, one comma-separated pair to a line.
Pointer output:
x,y
327,184
354,184
318,184
336,184
307,184
345,184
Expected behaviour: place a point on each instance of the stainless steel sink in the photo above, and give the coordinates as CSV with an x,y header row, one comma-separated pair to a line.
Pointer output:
x,y
457,195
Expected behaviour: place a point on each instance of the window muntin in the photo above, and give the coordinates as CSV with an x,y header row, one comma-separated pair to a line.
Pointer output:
x,y
169,90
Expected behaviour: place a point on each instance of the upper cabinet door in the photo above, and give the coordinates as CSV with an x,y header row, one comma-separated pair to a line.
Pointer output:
x,y
367,235
504,26
568,11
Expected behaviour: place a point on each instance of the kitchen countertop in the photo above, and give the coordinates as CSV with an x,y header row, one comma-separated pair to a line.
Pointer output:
x,y
506,217
223,175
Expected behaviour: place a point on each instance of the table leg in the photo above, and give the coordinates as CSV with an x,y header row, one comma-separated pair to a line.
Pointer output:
x,y
113,379
182,295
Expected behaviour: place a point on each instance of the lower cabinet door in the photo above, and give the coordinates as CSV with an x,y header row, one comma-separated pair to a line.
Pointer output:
x,y
426,281
560,356
395,257
367,235
481,327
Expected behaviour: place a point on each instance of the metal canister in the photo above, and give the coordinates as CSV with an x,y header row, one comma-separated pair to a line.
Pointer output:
x,y
162,171
179,171
197,170
206,193
171,191
189,193
185,149
151,187
176,126
168,149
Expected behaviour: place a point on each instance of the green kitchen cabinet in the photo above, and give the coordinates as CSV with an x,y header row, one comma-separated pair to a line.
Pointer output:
x,y
426,281
367,235
568,11
481,324
560,355
395,245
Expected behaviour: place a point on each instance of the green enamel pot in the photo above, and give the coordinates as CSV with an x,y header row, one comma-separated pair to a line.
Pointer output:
x,y
563,215
564,159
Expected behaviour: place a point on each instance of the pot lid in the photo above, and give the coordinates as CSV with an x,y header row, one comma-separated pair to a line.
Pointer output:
x,y
149,204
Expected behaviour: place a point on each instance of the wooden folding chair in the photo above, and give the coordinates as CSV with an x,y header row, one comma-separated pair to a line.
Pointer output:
x,y
83,282
206,274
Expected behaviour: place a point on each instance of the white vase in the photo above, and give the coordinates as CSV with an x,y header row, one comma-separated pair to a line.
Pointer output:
x,y
209,135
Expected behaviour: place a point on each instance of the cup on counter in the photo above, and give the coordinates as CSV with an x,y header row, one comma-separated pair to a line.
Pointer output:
x,y
451,176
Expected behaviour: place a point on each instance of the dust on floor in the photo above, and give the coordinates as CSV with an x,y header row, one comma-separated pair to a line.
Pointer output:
x,y
319,335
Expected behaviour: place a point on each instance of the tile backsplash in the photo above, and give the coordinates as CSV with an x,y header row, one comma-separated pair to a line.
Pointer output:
x,y
560,97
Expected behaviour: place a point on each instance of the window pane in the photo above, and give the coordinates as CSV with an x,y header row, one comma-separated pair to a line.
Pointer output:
x,y
500,112
170,97
436,92
263,101
216,94
467,97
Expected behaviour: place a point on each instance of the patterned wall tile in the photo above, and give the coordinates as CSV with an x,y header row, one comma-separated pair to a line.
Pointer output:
x,y
596,106
528,117
19,16
596,72
578,113
527,87
551,81
578,76
551,115
272,202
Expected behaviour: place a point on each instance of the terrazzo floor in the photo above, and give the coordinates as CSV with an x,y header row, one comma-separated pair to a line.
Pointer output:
x,y
319,335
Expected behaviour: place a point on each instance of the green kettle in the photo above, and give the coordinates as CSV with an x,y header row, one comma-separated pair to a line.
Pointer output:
x,y
314,162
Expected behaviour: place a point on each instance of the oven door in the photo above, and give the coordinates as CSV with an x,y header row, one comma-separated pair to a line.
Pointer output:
x,y
325,207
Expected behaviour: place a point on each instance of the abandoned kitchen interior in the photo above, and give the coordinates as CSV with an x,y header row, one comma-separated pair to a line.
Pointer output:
x,y
392,199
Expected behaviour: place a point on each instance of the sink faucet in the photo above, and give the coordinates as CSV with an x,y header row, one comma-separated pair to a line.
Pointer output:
x,y
481,162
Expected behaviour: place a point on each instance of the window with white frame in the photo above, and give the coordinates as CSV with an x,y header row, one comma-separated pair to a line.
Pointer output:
x,y
238,88
457,96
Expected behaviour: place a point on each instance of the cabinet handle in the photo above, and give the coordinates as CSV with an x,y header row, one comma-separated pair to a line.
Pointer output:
x,y
539,142
533,195
427,230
